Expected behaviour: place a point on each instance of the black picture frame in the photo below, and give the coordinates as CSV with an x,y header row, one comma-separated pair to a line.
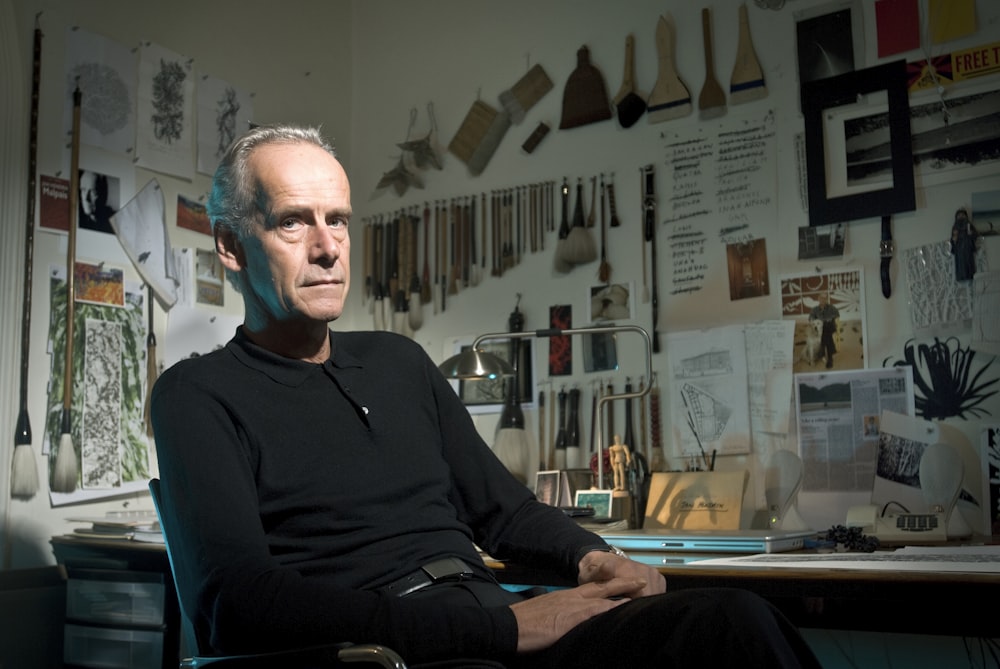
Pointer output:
x,y
820,96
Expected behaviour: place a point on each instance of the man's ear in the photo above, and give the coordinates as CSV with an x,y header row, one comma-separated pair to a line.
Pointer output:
x,y
230,250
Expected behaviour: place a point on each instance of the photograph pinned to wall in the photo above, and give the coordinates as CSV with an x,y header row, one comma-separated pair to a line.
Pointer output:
x,y
127,324
954,138
748,275
192,215
859,152
560,347
210,280
165,141
100,198
822,241
99,284
482,396
611,302
940,305
224,111
828,308
600,351
106,72
991,476
825,40
986,212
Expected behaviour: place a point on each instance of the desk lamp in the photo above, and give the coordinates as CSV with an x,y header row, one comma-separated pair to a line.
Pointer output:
x,y
475,363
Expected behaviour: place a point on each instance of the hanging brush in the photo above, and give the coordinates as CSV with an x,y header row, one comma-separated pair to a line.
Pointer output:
x,y
64,475
560,264
579,248
604,271
512,444
24,469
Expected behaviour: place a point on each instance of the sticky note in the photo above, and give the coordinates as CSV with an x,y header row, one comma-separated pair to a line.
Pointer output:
x,y
898,26
951,19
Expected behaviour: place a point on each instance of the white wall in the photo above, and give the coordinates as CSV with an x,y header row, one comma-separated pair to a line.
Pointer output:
x,y
369,63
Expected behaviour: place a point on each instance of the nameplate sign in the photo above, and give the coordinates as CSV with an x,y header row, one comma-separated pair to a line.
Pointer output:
x,y
695,500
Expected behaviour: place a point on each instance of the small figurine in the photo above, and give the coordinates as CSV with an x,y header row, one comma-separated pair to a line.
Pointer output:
x,y
964,240
621,457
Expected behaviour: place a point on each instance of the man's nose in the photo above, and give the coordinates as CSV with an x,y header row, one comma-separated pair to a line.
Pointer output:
x,y
326,243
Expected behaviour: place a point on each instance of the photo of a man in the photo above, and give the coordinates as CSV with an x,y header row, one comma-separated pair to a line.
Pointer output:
x,y
98,201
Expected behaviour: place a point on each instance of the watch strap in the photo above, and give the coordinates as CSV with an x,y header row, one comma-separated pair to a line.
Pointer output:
x,y
886,249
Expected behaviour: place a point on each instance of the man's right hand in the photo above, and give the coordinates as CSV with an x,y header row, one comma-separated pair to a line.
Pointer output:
x,y
543,620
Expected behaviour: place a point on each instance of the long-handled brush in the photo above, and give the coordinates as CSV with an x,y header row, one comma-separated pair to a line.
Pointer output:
x,y
24,469
747,82
65,472
580,247
512,443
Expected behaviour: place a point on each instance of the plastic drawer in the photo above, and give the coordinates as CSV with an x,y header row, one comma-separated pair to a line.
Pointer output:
x,y
107,648
115,597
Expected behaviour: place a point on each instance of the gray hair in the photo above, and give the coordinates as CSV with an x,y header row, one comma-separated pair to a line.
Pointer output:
x,y
232,204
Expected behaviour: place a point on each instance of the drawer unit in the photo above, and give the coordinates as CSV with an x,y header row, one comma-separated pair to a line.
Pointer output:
x,y
129,598
109,648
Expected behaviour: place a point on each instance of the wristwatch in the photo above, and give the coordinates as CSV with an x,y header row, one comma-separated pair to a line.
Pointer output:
x,y
885,251
606,548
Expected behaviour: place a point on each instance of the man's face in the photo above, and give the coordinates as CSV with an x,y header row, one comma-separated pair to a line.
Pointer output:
x,y
297,264
88,192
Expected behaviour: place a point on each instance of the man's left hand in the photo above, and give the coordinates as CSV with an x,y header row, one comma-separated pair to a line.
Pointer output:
x,y
597,566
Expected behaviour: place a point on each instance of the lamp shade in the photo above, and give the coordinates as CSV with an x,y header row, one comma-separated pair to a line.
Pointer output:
x,y
473,364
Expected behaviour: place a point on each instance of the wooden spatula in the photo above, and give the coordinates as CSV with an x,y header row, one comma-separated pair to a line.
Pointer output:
x,y
670,98
712,99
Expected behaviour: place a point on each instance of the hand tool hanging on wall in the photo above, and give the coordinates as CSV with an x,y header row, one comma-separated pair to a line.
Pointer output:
x,y
560,442
604,270
591,214
669,98
579,247
442,252
649,207
511,443
655,424
425,283
482,233
66,469
24,468
368,242
415,314
747,81
585,98
629,104
456,236
612,207
474,276
712,99
560,261
378,237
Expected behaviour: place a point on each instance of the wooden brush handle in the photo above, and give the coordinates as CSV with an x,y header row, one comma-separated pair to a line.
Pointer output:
x,y
706,32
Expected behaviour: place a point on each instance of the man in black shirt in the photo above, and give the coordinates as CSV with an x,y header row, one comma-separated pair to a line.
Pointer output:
x,y
331,486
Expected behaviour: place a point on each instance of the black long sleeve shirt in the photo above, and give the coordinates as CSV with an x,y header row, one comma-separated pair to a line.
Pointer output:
x,y
294,490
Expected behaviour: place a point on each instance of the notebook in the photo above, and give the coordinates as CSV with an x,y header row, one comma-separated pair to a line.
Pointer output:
x,y
708,541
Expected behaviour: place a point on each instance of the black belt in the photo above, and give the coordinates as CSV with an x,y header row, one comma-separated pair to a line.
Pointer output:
x,y
444,570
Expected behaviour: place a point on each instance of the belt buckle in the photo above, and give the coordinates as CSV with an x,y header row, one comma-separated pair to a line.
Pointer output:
x,y
449,567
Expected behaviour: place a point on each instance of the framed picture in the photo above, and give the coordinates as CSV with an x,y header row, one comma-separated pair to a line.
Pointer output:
x,y
598,500
825,40
859,165
489,395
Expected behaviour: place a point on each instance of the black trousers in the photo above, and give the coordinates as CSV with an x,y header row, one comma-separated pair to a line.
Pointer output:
x,y
698,627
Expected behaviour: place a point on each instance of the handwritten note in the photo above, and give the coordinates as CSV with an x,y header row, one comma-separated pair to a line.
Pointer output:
x,y
722,179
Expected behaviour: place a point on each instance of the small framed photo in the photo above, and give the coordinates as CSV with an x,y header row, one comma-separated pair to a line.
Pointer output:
x,y
598,500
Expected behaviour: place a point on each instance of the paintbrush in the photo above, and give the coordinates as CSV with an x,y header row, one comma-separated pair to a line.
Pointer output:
x,y
747,82
712,99
65,471
669,98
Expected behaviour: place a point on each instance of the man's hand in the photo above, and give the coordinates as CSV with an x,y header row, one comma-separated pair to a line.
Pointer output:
x,y
600,566
543,620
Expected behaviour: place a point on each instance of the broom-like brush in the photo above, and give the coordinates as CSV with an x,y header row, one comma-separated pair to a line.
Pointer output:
x,y
580,247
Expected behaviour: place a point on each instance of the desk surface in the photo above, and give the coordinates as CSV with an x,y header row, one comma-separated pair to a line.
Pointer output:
x,y
924,602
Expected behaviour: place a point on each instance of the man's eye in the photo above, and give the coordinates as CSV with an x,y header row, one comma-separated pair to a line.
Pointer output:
x,y
339,222
289,223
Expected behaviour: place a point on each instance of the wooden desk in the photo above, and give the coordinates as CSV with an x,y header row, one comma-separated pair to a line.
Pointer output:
x,y
938,603
942,603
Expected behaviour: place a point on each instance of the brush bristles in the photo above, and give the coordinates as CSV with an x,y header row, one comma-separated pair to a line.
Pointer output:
x,y
24,473
580,247
511,448
65,471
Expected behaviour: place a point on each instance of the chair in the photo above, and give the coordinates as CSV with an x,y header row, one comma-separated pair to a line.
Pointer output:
x,y
318,656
